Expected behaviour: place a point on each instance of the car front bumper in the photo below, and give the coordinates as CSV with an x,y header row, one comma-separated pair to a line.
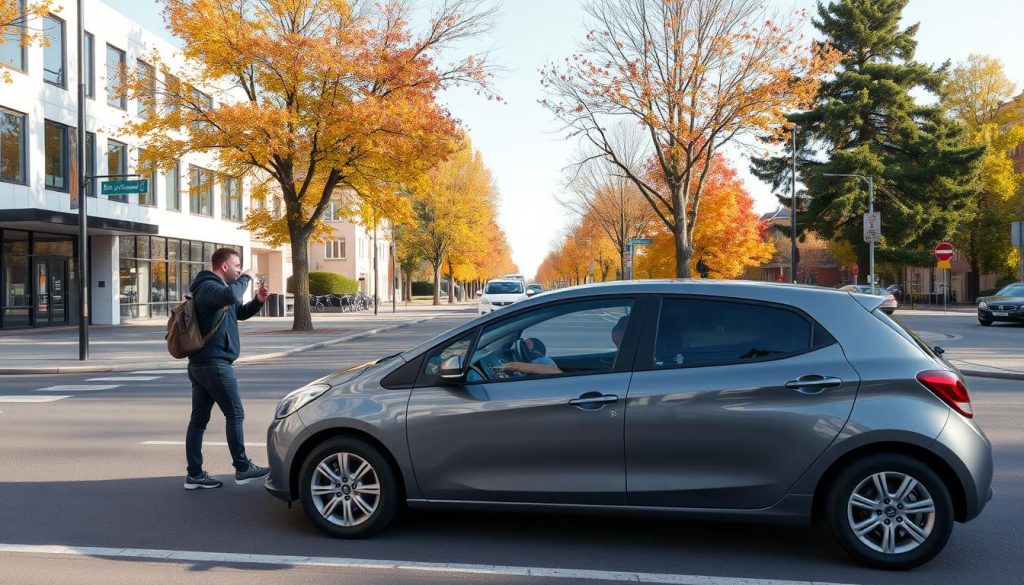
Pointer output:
x,y
283,436
1010,316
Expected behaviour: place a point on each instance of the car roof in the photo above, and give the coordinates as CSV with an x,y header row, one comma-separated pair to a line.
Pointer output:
x,y
511,280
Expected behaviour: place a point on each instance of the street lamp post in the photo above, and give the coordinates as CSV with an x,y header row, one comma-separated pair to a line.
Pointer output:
x,y
792,215
871,209
83,231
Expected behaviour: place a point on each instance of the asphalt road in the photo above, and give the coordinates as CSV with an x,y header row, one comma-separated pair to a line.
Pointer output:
x,y
101,472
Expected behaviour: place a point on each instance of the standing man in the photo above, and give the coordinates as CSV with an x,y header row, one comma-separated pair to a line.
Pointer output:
x,y
218,300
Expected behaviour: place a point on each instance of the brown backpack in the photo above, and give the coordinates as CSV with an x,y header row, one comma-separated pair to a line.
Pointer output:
x,y
183,335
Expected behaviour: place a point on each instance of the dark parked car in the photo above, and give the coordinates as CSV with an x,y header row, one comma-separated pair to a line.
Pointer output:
x,y
1005,305
698,399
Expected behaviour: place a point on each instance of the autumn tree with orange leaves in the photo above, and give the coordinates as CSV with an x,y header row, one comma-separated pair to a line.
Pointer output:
x,y
695,75
19,25
308,98
728,237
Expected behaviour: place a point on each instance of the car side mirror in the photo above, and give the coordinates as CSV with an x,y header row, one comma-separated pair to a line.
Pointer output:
x,y
530,293
451,368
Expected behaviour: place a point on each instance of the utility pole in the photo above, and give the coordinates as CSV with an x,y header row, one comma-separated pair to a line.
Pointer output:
x,y
394,268
792,214
83,235
871,209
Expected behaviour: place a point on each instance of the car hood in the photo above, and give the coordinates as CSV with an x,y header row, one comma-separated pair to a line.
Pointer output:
x,y
348,374
504,298
1001,299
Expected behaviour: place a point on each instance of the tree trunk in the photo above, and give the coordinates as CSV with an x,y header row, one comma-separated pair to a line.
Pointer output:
x,y
684,248
437,282
974,277
451,283
302,320
407,285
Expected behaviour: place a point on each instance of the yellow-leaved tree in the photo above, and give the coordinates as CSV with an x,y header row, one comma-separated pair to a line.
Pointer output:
x,y
20,27
308,98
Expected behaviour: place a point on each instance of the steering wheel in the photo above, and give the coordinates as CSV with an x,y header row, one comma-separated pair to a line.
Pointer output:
x,y
519,351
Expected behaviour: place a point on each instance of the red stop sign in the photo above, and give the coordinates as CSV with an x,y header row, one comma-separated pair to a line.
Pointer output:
x,y
944,251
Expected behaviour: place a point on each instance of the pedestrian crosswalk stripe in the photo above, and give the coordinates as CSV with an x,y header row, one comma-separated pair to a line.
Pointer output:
x,y
79,388
125,379
39,398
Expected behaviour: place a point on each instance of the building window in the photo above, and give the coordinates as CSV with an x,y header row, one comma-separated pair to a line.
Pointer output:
x,y
147,98
115,66
202,104
174,187
335,249
333,212
147,170
117,164
12,52
172,93
12,147
231,199
90,162
56,152
53,52
200,191
90,65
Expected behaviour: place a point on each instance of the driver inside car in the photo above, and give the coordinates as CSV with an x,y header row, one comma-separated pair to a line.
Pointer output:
x,y
536,352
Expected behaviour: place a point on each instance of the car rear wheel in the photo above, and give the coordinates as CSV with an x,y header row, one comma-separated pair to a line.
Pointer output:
x,y
890,511
985,322
348,489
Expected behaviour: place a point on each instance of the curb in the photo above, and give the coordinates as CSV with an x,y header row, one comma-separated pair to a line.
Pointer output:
x,y
180,364
1000,375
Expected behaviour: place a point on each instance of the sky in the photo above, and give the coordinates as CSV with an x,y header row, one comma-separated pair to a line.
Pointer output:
x,y
521,142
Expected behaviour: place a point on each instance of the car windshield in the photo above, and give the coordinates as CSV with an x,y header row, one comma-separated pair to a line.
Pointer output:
x,y
1013,290
503,288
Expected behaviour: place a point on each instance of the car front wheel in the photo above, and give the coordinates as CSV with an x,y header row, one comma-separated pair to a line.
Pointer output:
x,y
348,489
890,511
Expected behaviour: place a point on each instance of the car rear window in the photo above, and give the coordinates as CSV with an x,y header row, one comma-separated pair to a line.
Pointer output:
x,y
503,288
904,332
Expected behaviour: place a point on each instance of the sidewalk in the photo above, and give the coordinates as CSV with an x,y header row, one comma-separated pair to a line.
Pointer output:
x,y
140,345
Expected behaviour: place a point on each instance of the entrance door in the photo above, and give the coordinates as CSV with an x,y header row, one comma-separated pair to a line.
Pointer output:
x,y
50,291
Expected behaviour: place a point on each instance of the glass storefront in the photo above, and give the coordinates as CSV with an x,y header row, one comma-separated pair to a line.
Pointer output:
x,y
36,274
155,272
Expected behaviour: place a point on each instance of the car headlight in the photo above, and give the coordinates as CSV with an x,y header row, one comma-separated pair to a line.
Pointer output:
x,y
299,398
982,305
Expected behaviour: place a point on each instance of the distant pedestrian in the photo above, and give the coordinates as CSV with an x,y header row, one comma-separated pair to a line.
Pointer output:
x,y
218,299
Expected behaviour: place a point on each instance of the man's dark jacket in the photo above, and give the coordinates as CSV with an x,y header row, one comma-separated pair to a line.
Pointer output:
x,y
211,296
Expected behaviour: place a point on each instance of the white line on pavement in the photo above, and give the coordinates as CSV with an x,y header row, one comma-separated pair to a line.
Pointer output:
x,y
345,563
33,398
79,388
215,443
125,379
178,371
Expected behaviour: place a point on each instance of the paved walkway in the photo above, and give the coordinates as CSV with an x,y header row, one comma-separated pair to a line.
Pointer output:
x,y
140,344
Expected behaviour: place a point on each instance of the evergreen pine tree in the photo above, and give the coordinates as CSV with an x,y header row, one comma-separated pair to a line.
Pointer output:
x,y
865,121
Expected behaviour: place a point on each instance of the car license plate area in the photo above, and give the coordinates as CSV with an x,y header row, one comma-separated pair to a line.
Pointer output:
x,y
1000,314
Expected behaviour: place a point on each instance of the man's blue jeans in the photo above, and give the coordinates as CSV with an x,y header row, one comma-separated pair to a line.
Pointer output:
x,y
214,383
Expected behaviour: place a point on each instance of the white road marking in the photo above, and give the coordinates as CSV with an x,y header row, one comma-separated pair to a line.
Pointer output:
x,y
182,443
412,566
125,379
50,398
79,388
179,371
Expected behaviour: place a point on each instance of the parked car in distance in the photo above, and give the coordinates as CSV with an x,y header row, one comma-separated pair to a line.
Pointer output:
x,y
694,399
1006,305
889,303
500,293
532,289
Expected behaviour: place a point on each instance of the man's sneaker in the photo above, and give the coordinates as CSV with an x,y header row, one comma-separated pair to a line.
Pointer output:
x,y
202,481
251,473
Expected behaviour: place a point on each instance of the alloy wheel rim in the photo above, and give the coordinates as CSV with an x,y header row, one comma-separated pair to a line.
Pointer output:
x,y
345,489
891,512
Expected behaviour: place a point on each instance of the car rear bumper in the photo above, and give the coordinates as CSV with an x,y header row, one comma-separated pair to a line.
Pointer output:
x,y
968,451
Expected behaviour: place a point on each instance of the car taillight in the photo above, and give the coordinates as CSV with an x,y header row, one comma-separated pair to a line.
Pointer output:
x,y
948,387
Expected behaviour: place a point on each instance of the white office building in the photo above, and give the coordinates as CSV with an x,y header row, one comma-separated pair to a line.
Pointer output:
x,y
143,248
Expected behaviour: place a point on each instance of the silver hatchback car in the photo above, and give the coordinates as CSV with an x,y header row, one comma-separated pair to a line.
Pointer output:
x,y
731,400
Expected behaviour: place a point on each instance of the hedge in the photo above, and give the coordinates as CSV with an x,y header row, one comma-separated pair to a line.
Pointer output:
x,y
326,283
422,288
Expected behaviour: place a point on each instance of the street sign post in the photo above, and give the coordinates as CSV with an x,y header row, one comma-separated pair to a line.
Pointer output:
x,y
630,248
873,227
123,187
944,251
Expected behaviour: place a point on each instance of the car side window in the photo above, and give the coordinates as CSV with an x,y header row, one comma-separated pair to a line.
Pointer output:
x,y
696,332
567,338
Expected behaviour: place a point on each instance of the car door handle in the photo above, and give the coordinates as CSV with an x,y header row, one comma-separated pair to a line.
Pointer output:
x,y
814,382
594,399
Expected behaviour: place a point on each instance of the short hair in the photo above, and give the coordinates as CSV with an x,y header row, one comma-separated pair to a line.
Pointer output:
x,y
222,255
620,325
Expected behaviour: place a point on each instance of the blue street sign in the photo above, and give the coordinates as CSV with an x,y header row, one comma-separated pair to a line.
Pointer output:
x,y
640,241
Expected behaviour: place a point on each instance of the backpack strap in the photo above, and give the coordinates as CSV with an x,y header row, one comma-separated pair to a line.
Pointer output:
x,y
223,314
